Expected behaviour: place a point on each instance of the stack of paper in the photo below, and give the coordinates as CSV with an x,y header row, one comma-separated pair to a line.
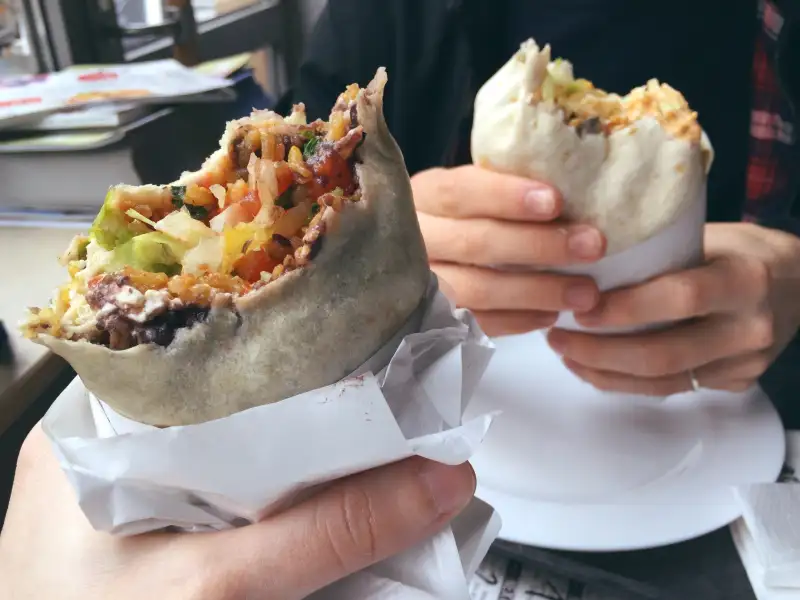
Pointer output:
x,y
29,99
768,535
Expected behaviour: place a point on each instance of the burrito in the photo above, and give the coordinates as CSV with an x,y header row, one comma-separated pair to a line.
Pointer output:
x,y
279,267
629,165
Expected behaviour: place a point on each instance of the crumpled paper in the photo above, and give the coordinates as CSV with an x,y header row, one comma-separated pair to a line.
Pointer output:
x,y
131,478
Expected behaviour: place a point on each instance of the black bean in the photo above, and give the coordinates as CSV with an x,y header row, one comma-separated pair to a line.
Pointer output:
x,y
590,126
278,238
119,333
316,246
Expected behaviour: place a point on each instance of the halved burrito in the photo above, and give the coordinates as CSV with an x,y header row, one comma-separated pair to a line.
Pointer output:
x,y
627,164
280,266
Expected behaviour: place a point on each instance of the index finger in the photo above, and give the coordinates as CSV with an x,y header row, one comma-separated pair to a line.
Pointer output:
x,y
469,191
718,287
347,527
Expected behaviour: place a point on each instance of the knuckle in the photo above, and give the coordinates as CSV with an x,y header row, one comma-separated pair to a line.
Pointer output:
x,y
351,532
604,384
762,331
546,246
737,386
760,363
475,293
688,299
444,192
478,243
657,362
758,277
460,246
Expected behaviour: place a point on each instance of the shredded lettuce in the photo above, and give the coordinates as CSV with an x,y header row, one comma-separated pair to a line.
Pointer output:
x,y
181,226
153,252
207,255
135,214
110,228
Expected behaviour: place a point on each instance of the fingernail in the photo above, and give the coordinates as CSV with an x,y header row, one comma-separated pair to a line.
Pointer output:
x,y
540,202
450,487
585,243
581,296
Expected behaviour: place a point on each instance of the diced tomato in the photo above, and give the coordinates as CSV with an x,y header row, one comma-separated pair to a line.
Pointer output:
x,y
250,204
250,266
331,171
236,191
284,176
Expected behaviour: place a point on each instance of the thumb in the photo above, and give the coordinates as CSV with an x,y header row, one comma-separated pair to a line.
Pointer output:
x,y
349,526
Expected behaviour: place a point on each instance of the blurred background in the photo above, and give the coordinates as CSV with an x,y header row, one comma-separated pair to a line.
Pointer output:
x,y
55,169
39,36
256,44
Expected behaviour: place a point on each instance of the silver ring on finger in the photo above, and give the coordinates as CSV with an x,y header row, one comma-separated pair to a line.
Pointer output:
x,y
693,380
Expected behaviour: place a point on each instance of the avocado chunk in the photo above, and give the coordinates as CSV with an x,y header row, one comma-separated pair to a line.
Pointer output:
x,y
153,252
110,227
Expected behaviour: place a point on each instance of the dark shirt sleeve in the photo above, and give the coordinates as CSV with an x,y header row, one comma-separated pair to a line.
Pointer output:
x,y
349,41
788,63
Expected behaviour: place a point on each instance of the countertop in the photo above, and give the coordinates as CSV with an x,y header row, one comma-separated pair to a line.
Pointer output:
x,y
29,272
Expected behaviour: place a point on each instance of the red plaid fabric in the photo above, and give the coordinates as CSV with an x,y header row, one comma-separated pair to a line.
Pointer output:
x,y
771,129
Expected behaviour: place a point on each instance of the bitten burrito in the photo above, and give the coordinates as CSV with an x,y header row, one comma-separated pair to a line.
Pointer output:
x,y
627,164
279,267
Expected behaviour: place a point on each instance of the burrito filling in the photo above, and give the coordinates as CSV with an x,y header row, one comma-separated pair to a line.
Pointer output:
x,y
593,111
160,258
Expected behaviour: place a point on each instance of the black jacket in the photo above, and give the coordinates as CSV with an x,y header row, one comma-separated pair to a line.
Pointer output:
x,y
439,52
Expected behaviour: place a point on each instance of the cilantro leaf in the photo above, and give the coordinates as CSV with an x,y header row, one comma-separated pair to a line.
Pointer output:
x,y
179,200
285,199
310,148
178,195
199,213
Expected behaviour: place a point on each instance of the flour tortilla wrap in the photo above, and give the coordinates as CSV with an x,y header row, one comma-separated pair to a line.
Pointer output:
x,y
308,329
628,165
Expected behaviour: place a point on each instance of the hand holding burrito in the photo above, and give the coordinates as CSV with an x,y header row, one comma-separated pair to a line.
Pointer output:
x,y
259,330
49,550
473,219
738,312
633,165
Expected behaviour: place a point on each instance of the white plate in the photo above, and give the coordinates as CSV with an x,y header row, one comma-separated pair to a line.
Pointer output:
x,y
571,468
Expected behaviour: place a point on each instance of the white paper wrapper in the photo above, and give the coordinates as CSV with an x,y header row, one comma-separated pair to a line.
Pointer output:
x,y
768,535
755,570
678,246
132,478
771,512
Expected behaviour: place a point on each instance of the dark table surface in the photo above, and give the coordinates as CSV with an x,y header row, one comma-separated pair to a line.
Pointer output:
x,y
708,568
